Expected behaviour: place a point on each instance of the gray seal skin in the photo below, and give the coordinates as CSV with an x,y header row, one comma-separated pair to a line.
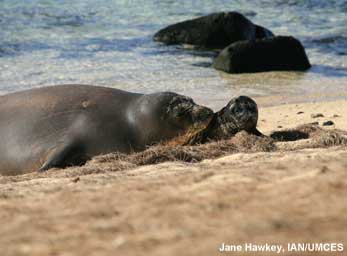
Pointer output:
x,y
240,114
66,125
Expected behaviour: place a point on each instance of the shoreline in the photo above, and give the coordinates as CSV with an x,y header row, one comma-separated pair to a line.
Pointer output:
x,y
290,99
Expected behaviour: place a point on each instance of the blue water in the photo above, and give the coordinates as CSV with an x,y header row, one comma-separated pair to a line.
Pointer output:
x,y
109,43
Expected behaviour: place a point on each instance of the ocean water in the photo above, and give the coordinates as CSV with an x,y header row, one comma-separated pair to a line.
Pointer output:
x,y
109,43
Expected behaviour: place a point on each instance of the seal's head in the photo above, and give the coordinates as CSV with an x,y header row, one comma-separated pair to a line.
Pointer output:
x,y
241,113
164,116
183,113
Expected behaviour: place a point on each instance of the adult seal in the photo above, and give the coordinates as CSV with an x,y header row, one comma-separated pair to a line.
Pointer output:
x,y
66,125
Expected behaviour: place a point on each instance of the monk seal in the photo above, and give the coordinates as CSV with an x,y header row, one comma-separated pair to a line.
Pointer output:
x,y
240,114
66,125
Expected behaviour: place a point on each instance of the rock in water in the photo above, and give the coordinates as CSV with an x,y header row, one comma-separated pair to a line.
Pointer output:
x,y
214,31
277,53
261,32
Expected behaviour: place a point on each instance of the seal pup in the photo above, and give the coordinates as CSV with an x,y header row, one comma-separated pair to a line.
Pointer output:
x,y
240,114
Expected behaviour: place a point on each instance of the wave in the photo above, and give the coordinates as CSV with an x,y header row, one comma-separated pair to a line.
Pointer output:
x,y
44,17
11,49
331,39
331,43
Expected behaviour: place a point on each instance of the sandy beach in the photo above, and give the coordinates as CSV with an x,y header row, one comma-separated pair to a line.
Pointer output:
x,y
263,191
283,193
289,116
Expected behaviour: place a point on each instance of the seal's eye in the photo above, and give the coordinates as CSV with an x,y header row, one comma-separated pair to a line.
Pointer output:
x,y
250,108
235,108
181,106
183,100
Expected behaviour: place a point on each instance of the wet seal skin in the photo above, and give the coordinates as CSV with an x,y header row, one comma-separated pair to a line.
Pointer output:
x,y
241,113
66,125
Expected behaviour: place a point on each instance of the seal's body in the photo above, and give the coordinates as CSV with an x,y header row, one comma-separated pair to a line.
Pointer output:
x,y
66,125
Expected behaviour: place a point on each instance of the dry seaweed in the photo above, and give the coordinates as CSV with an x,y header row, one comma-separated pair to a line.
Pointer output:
x,y
242,142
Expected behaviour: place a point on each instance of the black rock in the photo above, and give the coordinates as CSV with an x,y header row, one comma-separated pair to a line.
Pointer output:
x,y
277,53
214,31
328,123
261,32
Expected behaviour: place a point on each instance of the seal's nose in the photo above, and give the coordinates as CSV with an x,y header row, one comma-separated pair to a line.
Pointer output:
x,y
201,114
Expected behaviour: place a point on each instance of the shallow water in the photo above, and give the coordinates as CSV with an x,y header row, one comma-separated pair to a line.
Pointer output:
x,y
109,43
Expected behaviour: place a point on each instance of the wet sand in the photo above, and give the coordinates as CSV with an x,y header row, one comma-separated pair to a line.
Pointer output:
x,y
295,193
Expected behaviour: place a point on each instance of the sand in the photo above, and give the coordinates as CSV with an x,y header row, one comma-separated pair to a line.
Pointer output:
x,y
296,193
291,115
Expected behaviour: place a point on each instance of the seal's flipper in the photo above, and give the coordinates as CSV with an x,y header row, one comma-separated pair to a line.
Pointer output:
x,y
66,155
256,132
